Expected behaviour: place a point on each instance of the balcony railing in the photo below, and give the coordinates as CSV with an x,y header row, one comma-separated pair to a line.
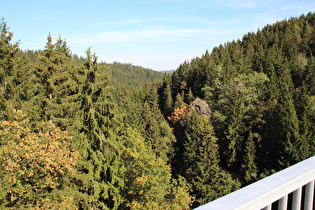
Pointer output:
x,y
291,188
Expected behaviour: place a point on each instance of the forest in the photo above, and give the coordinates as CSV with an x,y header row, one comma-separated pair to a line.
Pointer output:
x,y
77,133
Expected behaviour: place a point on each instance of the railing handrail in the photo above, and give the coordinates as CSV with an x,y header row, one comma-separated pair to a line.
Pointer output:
x,y
268,190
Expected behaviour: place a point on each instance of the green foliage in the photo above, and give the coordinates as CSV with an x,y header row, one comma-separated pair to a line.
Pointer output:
x,y
166,100
147,118
55,86
100,148
148,182
201,160
249,166
7,68
139,143
260,90
129,76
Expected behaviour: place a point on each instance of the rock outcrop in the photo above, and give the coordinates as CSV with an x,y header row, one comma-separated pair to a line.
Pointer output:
x,y
202,107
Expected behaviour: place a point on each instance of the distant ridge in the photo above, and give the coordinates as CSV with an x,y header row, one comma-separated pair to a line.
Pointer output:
x,y
168,71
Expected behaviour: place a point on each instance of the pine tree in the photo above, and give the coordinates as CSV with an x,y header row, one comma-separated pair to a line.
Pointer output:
x,y
310,76
201,161
233,142
302,105
167,99
151,125
100,162
249,167
290,153
156,131
189,97
56,86
179,101
8,53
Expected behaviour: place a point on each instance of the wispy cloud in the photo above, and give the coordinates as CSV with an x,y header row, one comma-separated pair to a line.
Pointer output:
x,y
298,7
198,21
153,34
245,4
117,23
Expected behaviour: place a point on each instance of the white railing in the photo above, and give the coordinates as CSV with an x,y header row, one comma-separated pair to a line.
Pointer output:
x,y
291,188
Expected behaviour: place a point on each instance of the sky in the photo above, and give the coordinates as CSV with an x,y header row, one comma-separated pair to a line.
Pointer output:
x,y
155,34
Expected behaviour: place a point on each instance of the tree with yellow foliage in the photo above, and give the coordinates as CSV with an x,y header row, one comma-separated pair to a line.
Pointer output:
x,y
34,165
148,178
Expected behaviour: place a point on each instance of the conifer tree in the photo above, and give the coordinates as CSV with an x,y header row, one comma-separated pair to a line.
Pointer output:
x,y
176,123
150,124
8,53
310,76
156,131
290,153
249,166
189,97
55,97
179,101
201,161
233,142
167,99
100,163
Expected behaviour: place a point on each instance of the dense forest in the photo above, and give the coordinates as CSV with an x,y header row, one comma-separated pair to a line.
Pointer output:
x,y
80,134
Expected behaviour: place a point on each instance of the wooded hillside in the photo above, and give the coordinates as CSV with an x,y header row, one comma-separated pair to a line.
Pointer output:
x,y
261,93
79,134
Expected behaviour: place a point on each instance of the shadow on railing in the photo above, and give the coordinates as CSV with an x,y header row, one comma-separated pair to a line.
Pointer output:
x,y
291,188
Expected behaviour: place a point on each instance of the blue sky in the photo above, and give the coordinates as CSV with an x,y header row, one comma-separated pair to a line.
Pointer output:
x,y
156,34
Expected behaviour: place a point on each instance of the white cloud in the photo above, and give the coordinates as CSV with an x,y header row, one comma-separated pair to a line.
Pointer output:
x,y
117,23
298,7
142,36
246,4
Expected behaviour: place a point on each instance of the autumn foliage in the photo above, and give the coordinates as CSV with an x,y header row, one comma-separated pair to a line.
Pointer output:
x,y
176,118
33,163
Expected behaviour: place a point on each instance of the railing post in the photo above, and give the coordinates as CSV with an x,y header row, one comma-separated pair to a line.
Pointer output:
x,y
297,197
267,207
283,203
291,188
309,195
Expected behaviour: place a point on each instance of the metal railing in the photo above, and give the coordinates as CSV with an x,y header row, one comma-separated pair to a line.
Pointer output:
x,y
291,188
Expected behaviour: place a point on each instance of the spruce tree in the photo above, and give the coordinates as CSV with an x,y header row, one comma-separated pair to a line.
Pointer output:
x,y
233,142
166,96
201,161
99,148
249,167
290,153
8,53
56,86
179,101
157,132
189,97
310,76
303,111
